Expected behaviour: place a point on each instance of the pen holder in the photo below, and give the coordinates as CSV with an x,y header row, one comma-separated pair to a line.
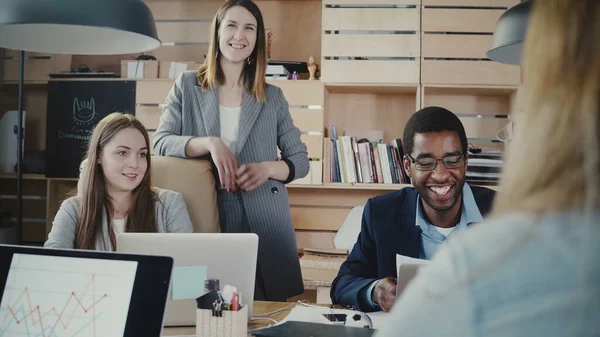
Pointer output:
x,y
226,324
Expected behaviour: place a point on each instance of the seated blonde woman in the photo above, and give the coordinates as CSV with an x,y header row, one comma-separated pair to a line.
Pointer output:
x,y
532,269
115,195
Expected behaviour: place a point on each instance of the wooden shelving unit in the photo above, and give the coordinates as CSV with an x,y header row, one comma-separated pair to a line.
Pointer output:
x,y
377,66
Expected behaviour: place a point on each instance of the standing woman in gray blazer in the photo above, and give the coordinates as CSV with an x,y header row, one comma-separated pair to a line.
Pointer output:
x,y
226,111
115,193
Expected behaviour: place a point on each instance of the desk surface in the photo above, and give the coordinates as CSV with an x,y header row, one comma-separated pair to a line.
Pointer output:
x,y
260,307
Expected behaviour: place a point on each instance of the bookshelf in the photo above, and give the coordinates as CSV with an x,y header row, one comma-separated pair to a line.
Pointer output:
x,y
379,63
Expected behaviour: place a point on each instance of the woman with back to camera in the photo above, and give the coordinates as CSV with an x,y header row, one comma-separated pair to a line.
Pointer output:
x,y
532,269
117,187
228,113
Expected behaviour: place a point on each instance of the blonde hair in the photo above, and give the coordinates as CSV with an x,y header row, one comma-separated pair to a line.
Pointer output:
x,y
554,160
210,72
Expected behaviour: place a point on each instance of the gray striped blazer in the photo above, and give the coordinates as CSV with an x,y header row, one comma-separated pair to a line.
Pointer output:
x,y
264,127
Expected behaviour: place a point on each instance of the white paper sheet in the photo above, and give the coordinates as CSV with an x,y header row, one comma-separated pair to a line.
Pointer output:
x,y
400,259
407,273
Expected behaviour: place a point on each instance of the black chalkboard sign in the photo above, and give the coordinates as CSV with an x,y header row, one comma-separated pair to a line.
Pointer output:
x,y
74,109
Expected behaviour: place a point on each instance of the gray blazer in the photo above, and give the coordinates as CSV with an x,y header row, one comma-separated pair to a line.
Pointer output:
x,y
264,127
171,217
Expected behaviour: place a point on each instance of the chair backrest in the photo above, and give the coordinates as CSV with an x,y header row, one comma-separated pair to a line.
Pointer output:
x,y
349,230
192,178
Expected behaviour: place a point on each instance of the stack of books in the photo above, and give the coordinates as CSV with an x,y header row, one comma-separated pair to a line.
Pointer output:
x,y
356,158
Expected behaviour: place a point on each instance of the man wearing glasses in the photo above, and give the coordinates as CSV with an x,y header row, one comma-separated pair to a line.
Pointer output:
x,y
413,222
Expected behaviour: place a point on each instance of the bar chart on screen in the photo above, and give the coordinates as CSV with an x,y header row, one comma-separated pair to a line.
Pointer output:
x,y
54,296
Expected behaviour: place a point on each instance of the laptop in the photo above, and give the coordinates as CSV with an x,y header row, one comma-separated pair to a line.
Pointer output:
x,y
228,257
59,292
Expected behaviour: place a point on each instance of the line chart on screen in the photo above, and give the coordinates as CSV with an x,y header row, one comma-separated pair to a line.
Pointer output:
x,y
54,296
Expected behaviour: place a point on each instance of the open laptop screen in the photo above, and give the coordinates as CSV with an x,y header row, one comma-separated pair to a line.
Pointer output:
x,y
80,293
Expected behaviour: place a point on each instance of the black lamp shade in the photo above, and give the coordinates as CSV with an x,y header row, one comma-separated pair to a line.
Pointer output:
x,y
509,35
92,27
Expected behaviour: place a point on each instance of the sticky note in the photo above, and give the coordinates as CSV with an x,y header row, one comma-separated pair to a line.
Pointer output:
x,y
188,282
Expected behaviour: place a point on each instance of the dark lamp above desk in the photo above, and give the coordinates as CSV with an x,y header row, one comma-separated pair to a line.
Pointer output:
x,y
507,43
90,27
79,27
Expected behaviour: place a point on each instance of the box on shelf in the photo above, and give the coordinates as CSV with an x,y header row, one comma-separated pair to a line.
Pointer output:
x,y
139,69
171,69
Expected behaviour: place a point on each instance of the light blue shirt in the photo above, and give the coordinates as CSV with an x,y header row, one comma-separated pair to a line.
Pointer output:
x,y
431,238
518,275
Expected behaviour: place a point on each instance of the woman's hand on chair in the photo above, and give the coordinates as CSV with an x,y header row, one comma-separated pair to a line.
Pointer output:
x,y
226,164
252,175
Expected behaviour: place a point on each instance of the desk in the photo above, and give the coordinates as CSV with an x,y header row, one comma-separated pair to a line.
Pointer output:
x,y
260,307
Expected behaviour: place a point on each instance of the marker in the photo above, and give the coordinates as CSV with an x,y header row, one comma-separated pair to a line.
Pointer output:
x,y
235,305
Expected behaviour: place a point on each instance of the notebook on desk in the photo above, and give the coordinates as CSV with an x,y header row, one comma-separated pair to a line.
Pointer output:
x,y
59,292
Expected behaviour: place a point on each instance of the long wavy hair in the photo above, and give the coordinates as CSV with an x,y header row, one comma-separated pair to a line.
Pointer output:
x,y
210,72
94,199
554,161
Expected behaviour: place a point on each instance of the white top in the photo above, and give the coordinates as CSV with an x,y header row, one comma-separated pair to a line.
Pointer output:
x,y
518,275
230,123
444,231
118,226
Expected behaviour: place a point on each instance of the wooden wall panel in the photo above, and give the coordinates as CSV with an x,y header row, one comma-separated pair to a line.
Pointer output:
x,y
486,3
369,111
301,92
309,120
465,102
370,71
314,144
460,20
317,218
35,69
394,19
149,116
57,191
379,45
152,91
456,46
456,35
469,73
375,2
314,239
184,31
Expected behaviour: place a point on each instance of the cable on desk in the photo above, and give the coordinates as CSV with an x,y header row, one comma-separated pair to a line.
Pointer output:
x,y
263,319
260,319
263,316
276,311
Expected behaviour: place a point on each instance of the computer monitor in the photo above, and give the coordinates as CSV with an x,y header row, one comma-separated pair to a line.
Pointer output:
x,y
228,257
55,292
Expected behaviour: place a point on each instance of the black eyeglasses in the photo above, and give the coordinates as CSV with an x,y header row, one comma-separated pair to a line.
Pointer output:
x,y
429,163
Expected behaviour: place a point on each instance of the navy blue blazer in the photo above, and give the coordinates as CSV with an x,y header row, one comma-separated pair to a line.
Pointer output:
x,y
388,228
